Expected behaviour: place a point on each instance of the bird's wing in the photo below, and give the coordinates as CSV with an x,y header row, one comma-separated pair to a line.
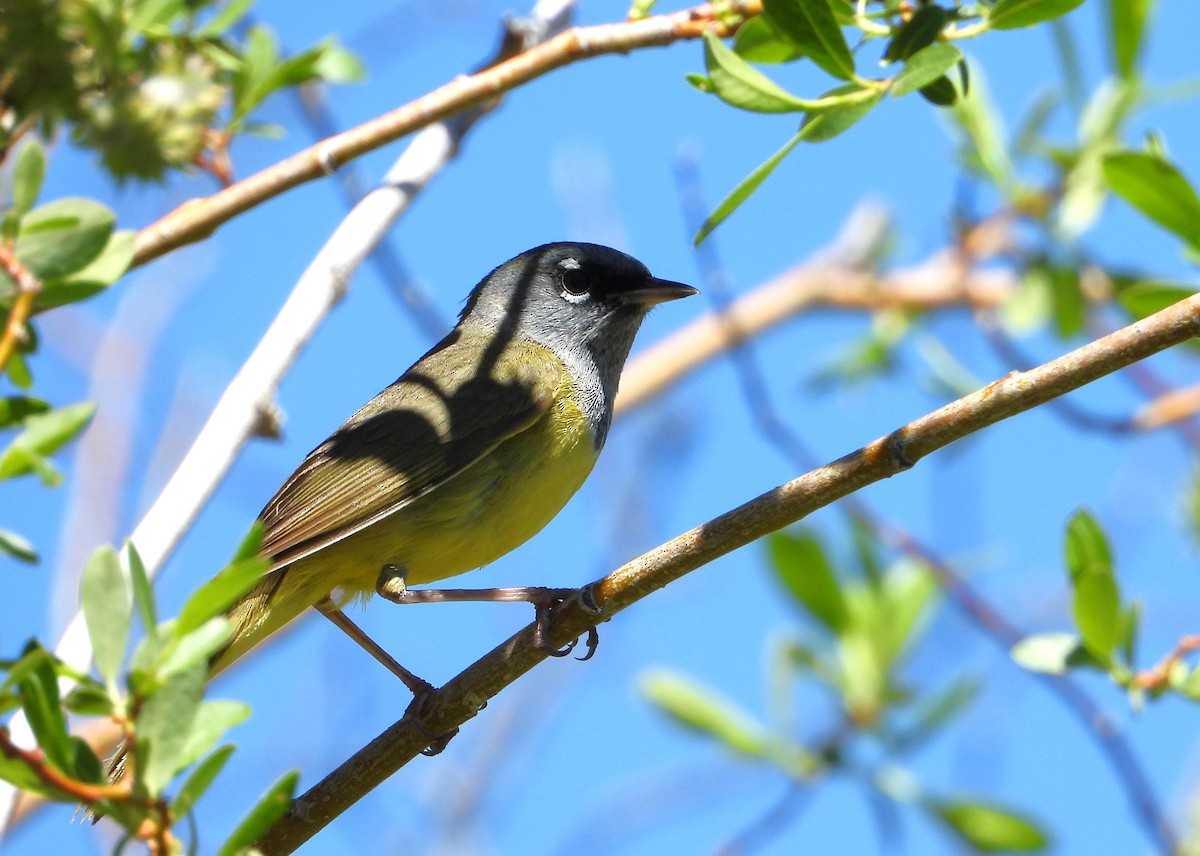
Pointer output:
x,y
445,413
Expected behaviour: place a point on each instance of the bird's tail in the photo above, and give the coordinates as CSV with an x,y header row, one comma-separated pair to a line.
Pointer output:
x,y
264,609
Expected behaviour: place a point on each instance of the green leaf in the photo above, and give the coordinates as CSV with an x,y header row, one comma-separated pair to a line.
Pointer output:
x,y
699,81
212,721
22,461
986,147
1143,299
38,684
147,655
842,107
268,810
107,609
738,83
226,17
164,726
940,93
698,709
86,767
15,408
251,545
89,699
151,14
744,189
1048,653
850,103
63,236
18,370
1127,27
197,646
1084,186
1097,609
143,592
812,25
866,543
758,40
1066,300
1127,632
199,781
1010,14
24,665
926,66
260,56
16,772
336,64
906,592
989,828
219,593
918,33
109,266
28,175
1086,547
800,563
1157,189
12,544
1096,604
43,434
938,709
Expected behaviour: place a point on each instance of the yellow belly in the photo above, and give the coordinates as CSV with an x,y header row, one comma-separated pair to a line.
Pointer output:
x,y
482,513
489,509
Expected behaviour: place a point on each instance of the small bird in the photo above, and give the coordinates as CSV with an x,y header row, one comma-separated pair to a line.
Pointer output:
x,y
467,455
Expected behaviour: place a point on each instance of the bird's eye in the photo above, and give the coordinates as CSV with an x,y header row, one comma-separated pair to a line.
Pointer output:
x,y
574,281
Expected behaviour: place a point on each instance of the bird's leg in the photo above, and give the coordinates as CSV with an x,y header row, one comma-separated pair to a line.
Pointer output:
x,y
421,689
418,686
391,585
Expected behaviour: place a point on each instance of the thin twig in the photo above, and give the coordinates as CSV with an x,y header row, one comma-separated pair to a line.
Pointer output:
x,y
35,761
199,218
1168,408
784,811
1159,677
461,698
27,291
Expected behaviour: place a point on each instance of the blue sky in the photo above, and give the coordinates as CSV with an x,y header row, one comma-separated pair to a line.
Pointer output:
x,y
572,759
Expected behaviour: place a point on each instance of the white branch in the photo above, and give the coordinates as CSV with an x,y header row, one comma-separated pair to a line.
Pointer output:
x,y
237,414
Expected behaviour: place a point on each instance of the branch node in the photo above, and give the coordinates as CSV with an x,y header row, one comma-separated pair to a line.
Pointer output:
x,y
268,420
897,448
326,158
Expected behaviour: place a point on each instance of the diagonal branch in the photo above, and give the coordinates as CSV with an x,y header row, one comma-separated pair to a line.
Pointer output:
x,y
199,218
461,698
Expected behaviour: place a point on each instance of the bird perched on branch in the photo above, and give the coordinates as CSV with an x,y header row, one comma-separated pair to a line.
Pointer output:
x,y
465,457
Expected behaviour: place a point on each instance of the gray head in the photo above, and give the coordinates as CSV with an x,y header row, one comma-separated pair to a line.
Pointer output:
x,y
570,295
585,302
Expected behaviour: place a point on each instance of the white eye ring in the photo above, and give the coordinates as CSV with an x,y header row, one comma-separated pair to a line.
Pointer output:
x,y
567,268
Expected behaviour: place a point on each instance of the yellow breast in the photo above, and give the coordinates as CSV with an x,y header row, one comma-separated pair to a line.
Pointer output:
x,y
482,513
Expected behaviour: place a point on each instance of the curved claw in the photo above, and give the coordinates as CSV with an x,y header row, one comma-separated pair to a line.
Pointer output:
x,y
561,652
593,642
439,744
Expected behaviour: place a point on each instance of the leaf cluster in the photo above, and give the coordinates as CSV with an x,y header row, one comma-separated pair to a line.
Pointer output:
x,y
861,623
154,692
1105,636
148,84
920,41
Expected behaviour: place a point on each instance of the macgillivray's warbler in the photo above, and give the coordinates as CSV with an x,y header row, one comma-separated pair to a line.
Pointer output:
x,y
465,457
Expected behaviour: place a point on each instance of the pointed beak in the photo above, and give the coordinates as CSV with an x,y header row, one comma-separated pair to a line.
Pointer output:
x,y
657,291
